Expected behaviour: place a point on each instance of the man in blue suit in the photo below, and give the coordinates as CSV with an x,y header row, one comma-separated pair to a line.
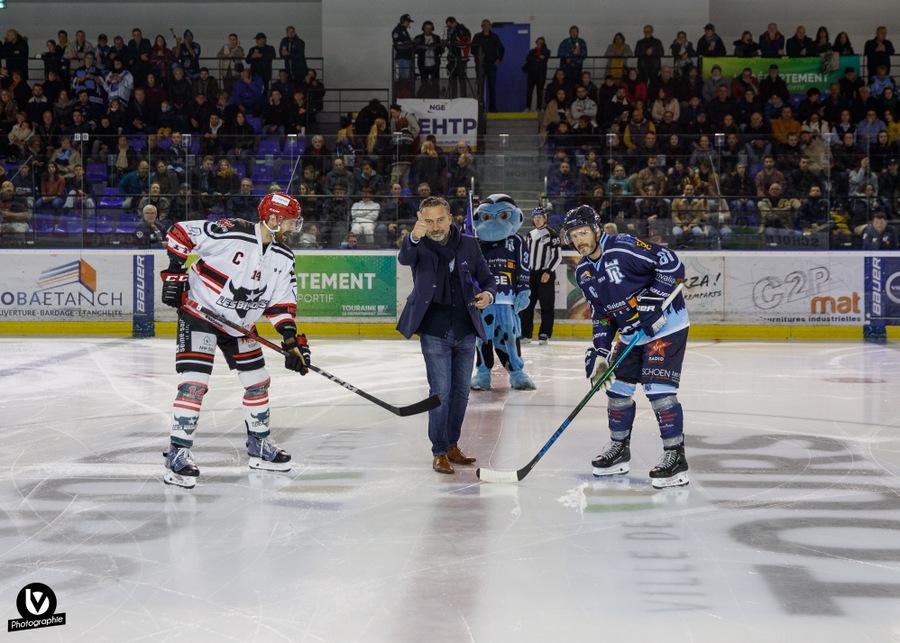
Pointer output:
x,y
451,285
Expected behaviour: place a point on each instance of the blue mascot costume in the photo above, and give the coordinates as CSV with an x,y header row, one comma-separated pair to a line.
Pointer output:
x,y
497,220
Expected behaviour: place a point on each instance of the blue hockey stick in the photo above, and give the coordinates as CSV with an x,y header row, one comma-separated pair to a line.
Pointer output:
x,y
490,475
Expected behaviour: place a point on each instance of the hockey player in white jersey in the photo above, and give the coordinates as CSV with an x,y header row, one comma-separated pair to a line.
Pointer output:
x,y
244,271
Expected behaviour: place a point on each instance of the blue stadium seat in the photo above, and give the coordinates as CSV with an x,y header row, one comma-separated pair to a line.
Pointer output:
x,y
110,198
165,143
71,224
126,225
263,173
294,147
269,147
96,172
42,223
256,123
100,223
137,144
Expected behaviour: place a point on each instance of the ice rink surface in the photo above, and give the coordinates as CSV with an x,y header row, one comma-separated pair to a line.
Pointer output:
x,y
789,530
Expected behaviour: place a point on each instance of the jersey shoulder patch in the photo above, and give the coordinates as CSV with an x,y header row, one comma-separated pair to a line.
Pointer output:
x,y
231,229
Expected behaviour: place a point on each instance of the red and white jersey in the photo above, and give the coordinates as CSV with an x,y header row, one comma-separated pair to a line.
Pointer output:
x,y
235,275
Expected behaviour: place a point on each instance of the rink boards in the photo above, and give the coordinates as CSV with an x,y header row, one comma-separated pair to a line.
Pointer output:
x,y
730,295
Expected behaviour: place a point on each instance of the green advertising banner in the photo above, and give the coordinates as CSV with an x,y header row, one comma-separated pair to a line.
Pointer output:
x,y
800,74
346,285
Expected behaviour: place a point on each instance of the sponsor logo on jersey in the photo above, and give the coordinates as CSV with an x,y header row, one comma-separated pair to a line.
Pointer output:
x,y
658,350
203,342
642,244
661,373
614,272
243,299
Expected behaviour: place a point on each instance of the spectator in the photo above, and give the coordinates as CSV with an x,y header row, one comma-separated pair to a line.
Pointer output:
x,y
771,42
822,46
292,50
137,56
149,233
535,69
335,218
430,168
559,82
862,177
649,52
799,44
404,48
225,182
776,212
773,85
878,52
803,179
248,93
880,152
488,50
458,41
812,217
53,189
14,214
206,85
260,58
689,214
168,180
889,184
66,157
340,176
231,57
363,215
712,84
571,53
738,187
161,58
80,193
745,46
124,159
635,88
187,54
135,184
428,48
76,50
767,176
744,83
683,53
119,82
710,44
462,171
877,235
880,82
315,92
369,178
842,45
784,125
275,116
88,78
186,205
243,204
616,53
582,106
15,52
20,135
636,129
867,130
157,200
102,52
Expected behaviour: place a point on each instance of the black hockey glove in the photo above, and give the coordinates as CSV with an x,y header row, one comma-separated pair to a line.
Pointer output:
x,y
297,358
175,285
650,312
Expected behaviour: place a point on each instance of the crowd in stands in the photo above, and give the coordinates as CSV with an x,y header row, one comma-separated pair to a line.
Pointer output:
x,y
124,139
688,160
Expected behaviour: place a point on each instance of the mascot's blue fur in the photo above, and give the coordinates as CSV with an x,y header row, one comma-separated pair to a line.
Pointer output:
x,y
497,220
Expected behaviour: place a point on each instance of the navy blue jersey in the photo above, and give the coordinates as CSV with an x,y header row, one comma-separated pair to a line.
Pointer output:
x,y
626,267
508,262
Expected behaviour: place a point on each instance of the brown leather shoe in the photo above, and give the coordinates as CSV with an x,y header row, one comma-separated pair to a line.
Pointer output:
x,y
441,464
458,457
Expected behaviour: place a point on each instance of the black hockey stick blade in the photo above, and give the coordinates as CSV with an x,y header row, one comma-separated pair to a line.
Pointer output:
x,y
403,411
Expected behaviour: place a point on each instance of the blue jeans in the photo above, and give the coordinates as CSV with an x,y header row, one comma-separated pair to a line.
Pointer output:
x,y
448,364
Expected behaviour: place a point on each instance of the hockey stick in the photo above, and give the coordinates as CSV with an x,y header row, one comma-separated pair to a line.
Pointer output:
x,y
490,475
413,409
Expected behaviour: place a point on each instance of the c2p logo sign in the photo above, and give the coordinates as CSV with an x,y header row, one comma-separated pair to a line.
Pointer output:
x,y
36,603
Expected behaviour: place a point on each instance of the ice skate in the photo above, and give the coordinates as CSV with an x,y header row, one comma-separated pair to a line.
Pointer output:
x,y
543,340
671,471
613,460
180,468
266,456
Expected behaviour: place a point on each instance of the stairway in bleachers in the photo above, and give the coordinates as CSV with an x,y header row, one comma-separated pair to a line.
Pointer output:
x,y
513,160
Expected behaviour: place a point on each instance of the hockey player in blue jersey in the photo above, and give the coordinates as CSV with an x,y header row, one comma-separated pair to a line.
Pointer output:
x,y
625,281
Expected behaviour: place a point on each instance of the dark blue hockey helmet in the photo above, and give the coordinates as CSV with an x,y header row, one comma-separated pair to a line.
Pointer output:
x,y
578,217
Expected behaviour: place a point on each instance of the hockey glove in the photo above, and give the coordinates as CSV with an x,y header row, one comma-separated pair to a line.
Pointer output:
x,y
596,363
650,313
174,288
297,358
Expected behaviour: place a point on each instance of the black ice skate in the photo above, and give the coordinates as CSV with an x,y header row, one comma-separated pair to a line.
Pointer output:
x,y
265,455
180,468
613,460
671,470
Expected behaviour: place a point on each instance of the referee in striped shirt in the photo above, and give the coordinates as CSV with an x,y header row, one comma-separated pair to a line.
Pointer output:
x,y
543,252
